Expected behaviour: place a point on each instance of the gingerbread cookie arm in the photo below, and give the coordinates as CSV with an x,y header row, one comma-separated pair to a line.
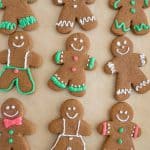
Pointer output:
x,y
35,60
105,128
58,57
85,129
3,56
90,63
56,126
115,4
136,131
89,1
58,2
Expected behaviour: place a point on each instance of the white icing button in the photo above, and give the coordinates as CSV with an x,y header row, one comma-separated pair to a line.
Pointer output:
x,y
75,39
70,138
75,6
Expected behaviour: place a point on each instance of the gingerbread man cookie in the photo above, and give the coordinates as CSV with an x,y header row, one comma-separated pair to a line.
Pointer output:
x,y
17,59
130,16
75,10
74,61
70,127
126,65
17,12
120,130
14,127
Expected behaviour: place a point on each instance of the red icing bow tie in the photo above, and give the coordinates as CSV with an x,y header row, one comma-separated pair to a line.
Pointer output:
x,y
8,123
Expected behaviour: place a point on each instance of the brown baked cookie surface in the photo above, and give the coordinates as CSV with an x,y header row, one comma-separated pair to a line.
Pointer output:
x,y
75,10
119,130
74,61
17,13
70,126
125,64
130,15
14,127
17,60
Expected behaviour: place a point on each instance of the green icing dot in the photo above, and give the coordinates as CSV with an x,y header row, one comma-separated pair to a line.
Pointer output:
x,y
121,130
11,132
133,10
10,140
119,141
132,2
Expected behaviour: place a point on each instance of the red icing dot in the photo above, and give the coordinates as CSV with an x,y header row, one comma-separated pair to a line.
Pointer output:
x,y
16,71
75,58
74,69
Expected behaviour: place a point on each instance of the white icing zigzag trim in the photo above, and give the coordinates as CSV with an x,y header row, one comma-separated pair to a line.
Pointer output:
x,y
111,67
85,20
142,58
142,84
124,91
65,23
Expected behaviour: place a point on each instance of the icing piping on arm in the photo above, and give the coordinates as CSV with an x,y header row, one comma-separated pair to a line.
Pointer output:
x,y
142,84
142,59
116,4
65,23
111,66
85,20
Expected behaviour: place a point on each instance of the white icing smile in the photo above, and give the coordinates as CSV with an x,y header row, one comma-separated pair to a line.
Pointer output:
x,y
123,53
72,117
122,120
11,116
76,49
18,45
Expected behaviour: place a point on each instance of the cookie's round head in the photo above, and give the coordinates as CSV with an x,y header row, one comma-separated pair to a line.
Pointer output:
x,y
12,108
71,109
20,40
121,46
78,42
121,112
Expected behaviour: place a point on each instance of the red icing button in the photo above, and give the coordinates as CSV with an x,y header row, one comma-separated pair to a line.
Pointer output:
x,y
74,69
16,71
75,58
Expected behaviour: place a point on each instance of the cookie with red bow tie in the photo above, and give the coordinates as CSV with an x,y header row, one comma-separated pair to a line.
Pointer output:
x,y
13,126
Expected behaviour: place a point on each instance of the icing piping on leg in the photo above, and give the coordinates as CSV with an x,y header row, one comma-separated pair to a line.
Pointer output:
x,y
140,27
65,23
121,26
85,20
91,62
124,91
56,80
142,84
27,21
59,57
7,25
77,88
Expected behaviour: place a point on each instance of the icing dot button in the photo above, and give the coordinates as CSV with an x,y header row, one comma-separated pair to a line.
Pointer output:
x,y
75,58
132,10
74,69
119,141
10,140
16,71
121,130
11,132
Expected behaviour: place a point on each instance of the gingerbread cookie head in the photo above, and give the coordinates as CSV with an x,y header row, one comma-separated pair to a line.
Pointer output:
x,y
71,109
78,42
12,108
121,112
20,40
121,46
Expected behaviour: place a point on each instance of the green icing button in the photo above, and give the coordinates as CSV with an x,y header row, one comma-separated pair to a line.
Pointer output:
x,y
10,140
119,141
132,2
121,130
133,11
11,132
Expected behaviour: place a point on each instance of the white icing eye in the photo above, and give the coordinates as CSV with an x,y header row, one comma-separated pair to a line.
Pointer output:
x,y
13,106
69,108
21,37
7,107
118,43
75,39
121,112
16,37
81,41
125,42
74,108
126,112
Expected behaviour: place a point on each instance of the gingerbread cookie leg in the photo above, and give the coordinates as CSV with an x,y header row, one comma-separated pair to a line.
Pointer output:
x,y
66,21
123,88
121,23
86,19
77,85
140,82
8,24
140,24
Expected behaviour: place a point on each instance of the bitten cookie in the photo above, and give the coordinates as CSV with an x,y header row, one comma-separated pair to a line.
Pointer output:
x,y
125,64
17,12
74,61
130,16
14,127
18,59
70,126
119,130
75,10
